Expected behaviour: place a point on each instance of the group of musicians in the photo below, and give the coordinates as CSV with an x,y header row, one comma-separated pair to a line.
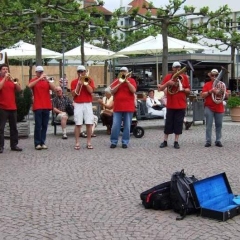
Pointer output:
x,y
175,84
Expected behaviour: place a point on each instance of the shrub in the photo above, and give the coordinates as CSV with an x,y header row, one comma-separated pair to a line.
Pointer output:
x,y
233,101
24,102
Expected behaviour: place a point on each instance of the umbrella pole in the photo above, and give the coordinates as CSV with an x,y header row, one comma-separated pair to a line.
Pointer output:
x,y
23,83
157,68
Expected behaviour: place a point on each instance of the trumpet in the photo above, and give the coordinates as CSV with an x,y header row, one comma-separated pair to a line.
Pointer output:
x,y
123,77
10,78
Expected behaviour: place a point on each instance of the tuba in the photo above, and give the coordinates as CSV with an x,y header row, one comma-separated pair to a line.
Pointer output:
x,y
177,78
218,98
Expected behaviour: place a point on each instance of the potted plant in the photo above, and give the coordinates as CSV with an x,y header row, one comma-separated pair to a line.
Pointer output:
x,y
24,102
233,103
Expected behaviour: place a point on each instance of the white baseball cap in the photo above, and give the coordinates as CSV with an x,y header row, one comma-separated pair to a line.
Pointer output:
x,y
214,71
176,64
124,69
81,68
39,69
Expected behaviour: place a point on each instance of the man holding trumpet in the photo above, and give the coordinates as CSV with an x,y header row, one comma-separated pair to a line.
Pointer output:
x,y
41,86
82,88
8,108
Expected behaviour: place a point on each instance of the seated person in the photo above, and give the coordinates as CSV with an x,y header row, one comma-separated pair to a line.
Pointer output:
x,y
59,107
106,114
95,122
154,106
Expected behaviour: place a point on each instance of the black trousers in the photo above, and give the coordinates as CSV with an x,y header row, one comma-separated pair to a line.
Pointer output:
x,y
11,116
174,121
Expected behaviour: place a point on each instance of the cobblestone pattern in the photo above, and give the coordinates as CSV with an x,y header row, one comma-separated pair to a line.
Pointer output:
x,y
64,194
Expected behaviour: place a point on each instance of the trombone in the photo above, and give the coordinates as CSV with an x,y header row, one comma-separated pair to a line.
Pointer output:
x,y
82,80
123,77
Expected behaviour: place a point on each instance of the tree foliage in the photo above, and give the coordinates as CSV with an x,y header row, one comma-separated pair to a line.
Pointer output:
x,y
171,16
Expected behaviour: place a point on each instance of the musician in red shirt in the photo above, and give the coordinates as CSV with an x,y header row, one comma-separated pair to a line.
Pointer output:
x,y
213,110
177,91
8,108
123,90
41,86
82,88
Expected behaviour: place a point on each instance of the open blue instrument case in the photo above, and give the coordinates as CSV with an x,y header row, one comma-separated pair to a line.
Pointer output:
x,y
214,197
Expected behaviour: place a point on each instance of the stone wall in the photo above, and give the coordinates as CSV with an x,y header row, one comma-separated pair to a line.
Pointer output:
x,y
96,72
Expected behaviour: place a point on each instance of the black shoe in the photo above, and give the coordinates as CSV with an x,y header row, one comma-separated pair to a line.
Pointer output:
x,y
218,144
1,150
163,144
176,145
17,149
124,146
207,145
188,125
113,146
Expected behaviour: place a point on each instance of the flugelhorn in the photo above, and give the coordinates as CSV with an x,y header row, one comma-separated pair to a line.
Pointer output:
x,y
177,78
219,85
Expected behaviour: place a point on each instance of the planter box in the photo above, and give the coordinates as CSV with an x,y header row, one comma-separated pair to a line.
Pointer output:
x,y
235,114
23,129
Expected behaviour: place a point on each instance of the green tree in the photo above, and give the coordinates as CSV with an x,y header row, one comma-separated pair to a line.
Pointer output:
x,y
43,20
173,14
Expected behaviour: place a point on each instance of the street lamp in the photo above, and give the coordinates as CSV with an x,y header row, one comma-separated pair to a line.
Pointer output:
x,y
237,62
63,61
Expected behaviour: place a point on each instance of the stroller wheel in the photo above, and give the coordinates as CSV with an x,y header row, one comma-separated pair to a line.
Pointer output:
x,y
138,132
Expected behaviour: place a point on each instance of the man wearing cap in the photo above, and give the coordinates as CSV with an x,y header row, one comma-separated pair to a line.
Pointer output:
x,y
177,91
123,90
106,114
213,110
8,108
42,105
82,88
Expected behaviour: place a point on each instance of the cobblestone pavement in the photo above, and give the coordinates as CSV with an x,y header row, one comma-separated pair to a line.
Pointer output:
x,y
64,194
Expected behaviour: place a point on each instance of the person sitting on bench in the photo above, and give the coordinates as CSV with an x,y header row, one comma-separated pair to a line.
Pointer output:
x,y
154,106
59,107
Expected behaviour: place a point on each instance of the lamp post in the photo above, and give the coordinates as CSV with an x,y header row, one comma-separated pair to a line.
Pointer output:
x,y
237,62
63,61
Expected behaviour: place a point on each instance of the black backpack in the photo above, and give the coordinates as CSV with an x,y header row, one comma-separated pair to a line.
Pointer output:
x,y
181,196
157,197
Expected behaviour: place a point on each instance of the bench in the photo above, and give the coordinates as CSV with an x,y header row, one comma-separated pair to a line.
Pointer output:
x,y
55,122
142,111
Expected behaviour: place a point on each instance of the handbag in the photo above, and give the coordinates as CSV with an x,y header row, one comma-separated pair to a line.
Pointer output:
x,y
107,112
157,107
69,108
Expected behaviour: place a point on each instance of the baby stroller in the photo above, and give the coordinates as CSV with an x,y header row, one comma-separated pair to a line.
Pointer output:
x,y
136,130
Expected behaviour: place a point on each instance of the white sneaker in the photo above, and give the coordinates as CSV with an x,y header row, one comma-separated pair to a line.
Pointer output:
x,y
64,136
38,147
44,146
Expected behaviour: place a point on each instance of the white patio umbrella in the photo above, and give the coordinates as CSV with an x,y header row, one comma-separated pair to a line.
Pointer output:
x,y
91,53
154,45
23,51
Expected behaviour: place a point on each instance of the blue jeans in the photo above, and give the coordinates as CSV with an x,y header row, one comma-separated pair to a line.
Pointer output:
x,y
218,118
118,118
41,117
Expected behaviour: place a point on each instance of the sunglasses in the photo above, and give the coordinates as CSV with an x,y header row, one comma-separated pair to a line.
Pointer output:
x,y
214,75
80,71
